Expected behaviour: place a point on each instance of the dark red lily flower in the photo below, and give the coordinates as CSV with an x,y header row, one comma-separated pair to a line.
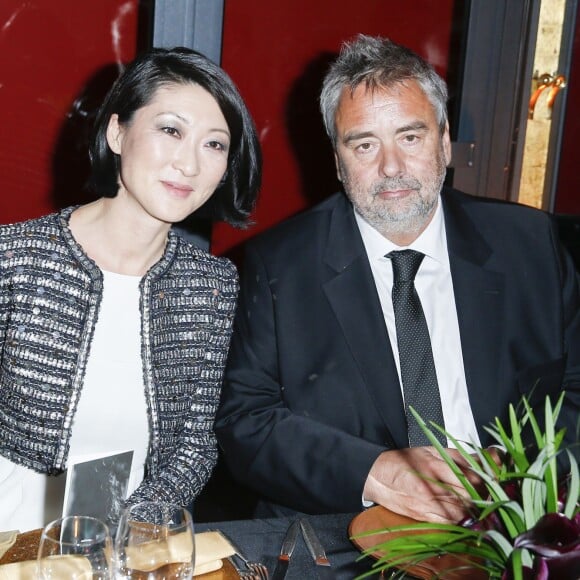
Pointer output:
x,y
512,490
541,571
490,522
556,541
564,567
553,535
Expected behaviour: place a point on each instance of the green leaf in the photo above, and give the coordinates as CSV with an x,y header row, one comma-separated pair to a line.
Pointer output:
x,y
473,493
535,481
550,474
573,488
501,542
534,491
516,439
517,567
529,416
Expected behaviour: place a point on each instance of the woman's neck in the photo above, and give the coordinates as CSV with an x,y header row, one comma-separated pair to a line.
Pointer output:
x,y
118,239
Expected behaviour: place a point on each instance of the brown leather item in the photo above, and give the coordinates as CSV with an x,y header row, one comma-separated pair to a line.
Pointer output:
x,y
379,518
24,548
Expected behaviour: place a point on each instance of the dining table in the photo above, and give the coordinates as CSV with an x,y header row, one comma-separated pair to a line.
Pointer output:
x,y
261,540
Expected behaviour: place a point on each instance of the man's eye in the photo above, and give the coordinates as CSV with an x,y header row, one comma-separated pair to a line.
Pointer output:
x,y
411,138
365,147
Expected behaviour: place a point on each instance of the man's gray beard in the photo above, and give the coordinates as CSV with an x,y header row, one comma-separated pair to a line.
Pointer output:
x,y
396,222
410,220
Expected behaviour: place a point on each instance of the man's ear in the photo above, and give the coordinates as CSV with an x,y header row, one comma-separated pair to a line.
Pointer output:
x,y
114,134
446,140
337,164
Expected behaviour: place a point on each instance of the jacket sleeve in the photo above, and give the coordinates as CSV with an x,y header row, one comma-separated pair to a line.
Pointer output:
x,y
570,414
186,468
4,306
284,453
5,286
189,467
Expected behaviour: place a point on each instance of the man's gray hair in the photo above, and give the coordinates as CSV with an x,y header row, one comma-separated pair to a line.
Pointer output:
x,y
378,62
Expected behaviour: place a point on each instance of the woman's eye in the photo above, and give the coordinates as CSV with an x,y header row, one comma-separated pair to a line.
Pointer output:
x,y
217,145
170,131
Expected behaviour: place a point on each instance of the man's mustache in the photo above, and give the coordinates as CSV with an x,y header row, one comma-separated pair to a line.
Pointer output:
x,y
395,184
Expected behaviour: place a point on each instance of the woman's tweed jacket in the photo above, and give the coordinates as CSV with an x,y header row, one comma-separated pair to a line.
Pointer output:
x,y
50,293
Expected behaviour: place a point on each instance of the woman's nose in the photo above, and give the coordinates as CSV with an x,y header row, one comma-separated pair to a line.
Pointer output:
x,y
187,160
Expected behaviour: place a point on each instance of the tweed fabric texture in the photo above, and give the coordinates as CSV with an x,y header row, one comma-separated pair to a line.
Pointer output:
x,y
50,293
415,353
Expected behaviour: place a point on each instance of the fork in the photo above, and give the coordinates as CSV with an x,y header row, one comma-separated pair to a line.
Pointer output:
x,y
246,574
259,569
255,570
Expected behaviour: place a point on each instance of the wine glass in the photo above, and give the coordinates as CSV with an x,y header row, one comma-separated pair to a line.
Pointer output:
x,y
154,541
75,548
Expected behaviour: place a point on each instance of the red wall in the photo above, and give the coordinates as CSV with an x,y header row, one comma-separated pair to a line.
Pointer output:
x,y
53,51
568,190
277,53
58,60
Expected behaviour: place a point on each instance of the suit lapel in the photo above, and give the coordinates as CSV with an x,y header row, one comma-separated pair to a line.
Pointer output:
x,y
352,294
479,296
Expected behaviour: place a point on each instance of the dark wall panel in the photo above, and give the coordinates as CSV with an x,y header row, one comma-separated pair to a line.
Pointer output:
x,y
568,190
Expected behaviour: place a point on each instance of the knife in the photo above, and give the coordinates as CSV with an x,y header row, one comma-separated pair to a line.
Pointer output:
x,y
286,551
315,548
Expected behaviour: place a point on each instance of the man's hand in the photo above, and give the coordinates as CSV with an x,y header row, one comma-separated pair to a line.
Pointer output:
x,y
397,481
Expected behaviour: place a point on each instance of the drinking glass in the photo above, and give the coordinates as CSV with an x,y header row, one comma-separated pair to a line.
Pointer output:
x,y
75,548
154,541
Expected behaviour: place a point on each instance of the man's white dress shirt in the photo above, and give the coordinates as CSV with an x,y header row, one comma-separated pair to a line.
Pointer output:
x,y
435,288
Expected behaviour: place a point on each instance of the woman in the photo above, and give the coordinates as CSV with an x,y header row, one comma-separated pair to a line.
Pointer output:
x,y
113,330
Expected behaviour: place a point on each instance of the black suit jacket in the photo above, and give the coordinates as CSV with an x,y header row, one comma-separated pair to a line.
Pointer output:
x,y
312,396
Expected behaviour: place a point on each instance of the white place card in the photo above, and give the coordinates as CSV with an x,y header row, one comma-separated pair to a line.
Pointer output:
x,y
97,487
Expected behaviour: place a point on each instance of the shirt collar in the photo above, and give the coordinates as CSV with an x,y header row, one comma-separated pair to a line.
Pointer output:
x,y
432,242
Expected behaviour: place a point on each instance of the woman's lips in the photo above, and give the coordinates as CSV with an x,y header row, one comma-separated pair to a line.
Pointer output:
x,y
177,189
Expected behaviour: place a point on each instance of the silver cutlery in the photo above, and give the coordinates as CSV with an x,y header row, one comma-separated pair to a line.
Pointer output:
x,y
243,572
286,551
259,569
253,571
315,548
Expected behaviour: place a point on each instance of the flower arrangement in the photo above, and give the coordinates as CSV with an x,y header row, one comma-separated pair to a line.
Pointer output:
x,y
526,524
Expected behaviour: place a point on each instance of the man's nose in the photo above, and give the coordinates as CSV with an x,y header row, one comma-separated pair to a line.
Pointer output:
x,y
392,162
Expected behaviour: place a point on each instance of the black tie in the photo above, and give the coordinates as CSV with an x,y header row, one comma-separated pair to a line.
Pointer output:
x,y
415,354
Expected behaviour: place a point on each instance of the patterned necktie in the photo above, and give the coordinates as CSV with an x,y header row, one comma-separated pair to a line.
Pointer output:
x,y
415,354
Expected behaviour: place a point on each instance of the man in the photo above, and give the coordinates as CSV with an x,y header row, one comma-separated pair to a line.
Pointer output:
x,y
314,412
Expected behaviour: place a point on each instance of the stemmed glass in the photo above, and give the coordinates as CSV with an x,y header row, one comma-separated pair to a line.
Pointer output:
x,y
154,541
75,548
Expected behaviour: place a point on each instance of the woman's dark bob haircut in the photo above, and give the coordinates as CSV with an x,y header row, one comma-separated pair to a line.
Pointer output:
x,y
234,198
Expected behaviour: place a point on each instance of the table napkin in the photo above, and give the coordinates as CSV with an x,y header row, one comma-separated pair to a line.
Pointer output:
x,y
210,548
67,567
